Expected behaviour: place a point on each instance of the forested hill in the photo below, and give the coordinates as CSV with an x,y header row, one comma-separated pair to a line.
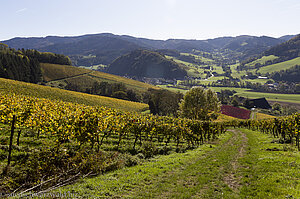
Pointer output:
x,y
88,50
144,63
24,65
289,75
287,50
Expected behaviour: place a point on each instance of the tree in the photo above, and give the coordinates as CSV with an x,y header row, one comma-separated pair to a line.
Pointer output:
x,y
163,102
276,107
234,102
199,104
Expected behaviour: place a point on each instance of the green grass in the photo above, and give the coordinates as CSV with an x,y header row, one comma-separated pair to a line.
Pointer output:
x,y
269,173
161,177
280,66
203,59
130,83
261,81
179,61
293,98
235,73
241,165
57,75
217,69
262,60
173,89
34,90
52,72
195,70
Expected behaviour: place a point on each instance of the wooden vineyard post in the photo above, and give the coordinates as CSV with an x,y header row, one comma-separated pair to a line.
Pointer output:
x,y
18,139
11,139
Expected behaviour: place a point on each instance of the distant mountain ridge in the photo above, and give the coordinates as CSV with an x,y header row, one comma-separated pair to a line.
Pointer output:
x,y
284,56
104,48
287,50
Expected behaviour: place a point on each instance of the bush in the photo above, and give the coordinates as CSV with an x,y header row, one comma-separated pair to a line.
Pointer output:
x,y
149,149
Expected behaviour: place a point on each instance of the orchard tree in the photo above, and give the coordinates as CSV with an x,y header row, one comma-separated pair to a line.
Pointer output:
x,y
199,104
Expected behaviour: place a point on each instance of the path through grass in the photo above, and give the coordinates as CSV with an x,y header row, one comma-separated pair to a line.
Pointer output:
x,y
241,164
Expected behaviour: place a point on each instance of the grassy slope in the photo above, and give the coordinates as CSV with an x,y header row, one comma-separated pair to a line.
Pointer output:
x,y
293,98
262,60
173,89
53,72
130,83
11,86
280,66
240,165
203,59
191,69
195,70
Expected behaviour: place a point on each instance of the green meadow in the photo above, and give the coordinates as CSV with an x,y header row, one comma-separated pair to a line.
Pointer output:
x,y
280,66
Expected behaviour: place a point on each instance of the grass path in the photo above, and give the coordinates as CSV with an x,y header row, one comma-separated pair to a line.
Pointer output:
x,y
231,179
69,77
241,164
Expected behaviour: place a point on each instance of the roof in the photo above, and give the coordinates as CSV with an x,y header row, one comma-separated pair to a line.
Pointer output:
x,y
260,103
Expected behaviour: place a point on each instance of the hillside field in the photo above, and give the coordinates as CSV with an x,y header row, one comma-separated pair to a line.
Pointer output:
x,y
57,74
293,98
261,60
34,90
279,66
51,72
243,92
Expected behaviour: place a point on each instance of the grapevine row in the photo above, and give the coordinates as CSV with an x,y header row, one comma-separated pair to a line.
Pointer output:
x,y
287,129
86,124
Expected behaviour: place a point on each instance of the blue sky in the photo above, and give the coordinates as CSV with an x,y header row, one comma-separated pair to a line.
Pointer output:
x,y
157,19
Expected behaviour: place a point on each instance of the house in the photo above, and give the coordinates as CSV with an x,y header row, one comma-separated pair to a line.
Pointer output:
x,y
259,103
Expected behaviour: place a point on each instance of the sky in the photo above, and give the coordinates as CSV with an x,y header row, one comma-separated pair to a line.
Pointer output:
x,y
154,19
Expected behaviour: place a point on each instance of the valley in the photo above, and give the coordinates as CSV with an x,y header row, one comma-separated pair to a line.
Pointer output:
x,y
116,116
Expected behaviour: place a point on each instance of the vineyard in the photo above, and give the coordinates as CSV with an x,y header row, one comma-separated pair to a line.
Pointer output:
x,y
86,124
75,135
287,129
8,86
235,112
58,141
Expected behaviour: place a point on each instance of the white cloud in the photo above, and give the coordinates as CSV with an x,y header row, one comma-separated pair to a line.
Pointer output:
x,y
21,10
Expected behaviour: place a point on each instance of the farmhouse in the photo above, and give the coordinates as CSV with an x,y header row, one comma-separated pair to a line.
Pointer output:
x,y
259,103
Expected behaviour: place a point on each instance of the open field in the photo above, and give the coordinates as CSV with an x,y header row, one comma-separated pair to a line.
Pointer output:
x,y
130,83
261,81
52,72
34,90
293,98
288,98
261,60
57,74
201,58
172,88
193,70
280,66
